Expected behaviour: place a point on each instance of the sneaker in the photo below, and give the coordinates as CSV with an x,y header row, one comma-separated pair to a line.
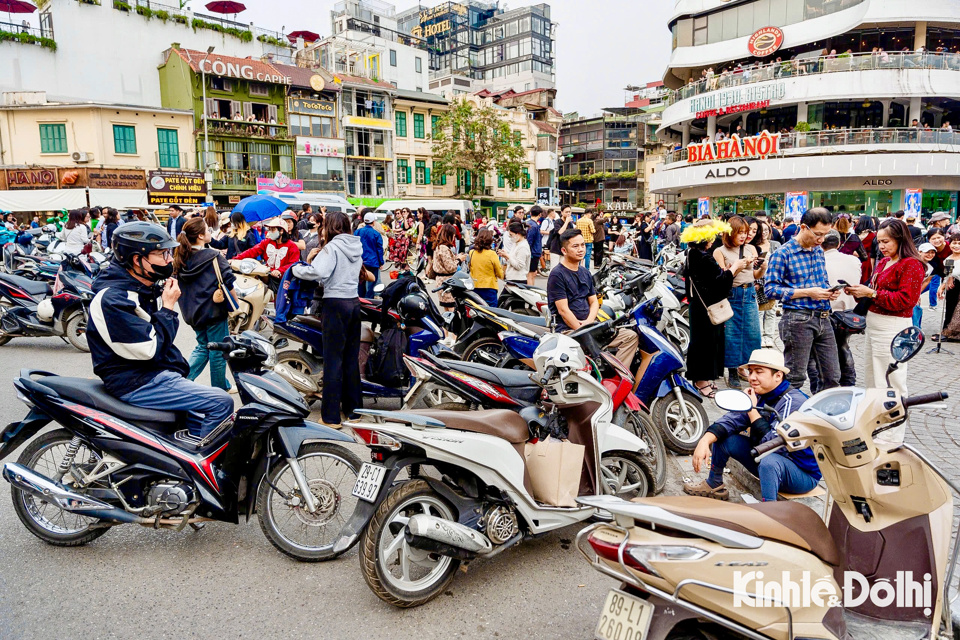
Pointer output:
x,y
233,391
337,426
704,490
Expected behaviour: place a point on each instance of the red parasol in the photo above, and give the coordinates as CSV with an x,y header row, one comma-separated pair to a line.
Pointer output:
x,y
223,6
16,6
308,36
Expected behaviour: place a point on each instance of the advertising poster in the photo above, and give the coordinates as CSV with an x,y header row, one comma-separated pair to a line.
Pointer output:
x,y
176,187
912,202
280,183
703,208
796,204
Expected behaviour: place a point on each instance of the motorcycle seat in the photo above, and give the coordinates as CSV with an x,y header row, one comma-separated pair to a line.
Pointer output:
x,y
503,377
500,423
33,287
537,330
791,523
539,321
309,321
529,287
92,393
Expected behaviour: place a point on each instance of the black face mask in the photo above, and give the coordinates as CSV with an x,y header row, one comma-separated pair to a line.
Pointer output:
x,y
157,272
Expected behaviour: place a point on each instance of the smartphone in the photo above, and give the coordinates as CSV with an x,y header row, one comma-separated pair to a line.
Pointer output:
x,y
836,288
843,282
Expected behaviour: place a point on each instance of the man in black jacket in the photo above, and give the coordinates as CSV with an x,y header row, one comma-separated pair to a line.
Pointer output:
x,y
131,336
176,221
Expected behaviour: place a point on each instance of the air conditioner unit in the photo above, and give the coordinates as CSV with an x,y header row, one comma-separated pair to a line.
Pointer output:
x,y
81,156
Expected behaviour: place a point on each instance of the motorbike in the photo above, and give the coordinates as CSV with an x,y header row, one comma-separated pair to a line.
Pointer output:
x,y
415,533
690,567
31,308
112,463
524,299
253,296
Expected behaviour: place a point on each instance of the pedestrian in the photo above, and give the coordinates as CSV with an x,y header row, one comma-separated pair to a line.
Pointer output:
x,y
445,261
797,276
111,220
585,225
548,226
534,242
840,266
644,238
894,292
790,229
277,251
742,331
850,242
916,231
310,235
337,266
240,237
372,243
707,283
305,212
928,255
671,231
485,267
564,222
75,234
175,220
949,292
866,230
599,238
518,256
201,272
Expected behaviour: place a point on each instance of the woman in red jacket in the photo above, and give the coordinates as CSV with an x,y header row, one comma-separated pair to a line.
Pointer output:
x,y
277,251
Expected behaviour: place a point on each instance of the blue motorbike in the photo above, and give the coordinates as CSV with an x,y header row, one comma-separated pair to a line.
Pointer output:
x,y
674,403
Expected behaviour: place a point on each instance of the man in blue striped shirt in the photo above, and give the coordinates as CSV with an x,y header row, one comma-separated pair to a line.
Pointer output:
x,y
797,276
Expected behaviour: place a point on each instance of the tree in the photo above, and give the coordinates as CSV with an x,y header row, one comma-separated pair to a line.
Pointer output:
x,y
476,139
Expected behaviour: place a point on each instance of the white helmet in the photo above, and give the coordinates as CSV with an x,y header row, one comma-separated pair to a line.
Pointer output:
x,y
560,351
45,310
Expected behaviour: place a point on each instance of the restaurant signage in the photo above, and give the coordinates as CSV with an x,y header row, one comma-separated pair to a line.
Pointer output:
x,y
321,147
737,108
116,179
312,107
739,96
31,178
241,71
765,41
735,147
176,187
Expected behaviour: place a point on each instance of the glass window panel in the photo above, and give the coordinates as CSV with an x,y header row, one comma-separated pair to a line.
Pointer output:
x,y
794,11
715,27
778,12
729,24
761,14
813,9
745,20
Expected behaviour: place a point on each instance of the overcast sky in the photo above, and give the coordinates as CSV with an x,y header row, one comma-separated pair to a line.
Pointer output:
x,y
602,45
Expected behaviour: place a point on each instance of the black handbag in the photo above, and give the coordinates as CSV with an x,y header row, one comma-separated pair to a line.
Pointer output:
x,y
848,321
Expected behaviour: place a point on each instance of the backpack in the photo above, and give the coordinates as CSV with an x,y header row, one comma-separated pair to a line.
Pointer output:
x,y
385,363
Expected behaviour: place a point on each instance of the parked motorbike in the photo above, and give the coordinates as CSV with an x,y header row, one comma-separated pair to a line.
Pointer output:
x,y
253,296
31,308
524,299
113,463
415,533
678,558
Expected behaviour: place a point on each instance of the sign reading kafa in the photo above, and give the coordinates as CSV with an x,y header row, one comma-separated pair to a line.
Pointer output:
x,y
735,147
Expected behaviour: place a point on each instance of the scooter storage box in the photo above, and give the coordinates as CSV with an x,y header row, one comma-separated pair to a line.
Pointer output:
x,y
554,467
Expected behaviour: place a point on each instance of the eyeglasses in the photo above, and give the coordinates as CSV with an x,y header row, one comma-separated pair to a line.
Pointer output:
x,y
166,254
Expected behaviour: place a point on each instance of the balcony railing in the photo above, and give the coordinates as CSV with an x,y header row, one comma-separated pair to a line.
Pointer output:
x,y
824,64
244,129
238,178
831,138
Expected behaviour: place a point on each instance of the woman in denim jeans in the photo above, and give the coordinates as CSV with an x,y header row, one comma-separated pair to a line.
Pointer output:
x,y
742,331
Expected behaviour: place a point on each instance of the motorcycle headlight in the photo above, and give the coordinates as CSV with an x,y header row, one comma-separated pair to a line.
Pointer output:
x,y
271,350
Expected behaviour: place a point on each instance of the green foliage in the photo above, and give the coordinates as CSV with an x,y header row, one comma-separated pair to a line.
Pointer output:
x,y
122,5
244,35
475,139
28,38
803,125
163,15
41,5
180,19
146,12
264,38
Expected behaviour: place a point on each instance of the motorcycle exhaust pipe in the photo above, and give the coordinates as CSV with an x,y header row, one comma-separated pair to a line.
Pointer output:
x,y
46,489
445,537
300,382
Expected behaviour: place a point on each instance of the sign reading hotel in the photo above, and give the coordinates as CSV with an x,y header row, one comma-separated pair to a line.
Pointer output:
x,y
726,101
240,71
735,147
425,31
176,187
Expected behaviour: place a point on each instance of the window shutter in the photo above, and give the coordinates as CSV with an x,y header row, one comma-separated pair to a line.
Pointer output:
x,y
247,109
272,112
408,174
212,108
235,107
428,175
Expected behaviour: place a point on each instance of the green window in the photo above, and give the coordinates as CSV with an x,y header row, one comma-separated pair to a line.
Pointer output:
x,y
401,124
124,139
403,171
418,125
53,138
434,125
500,181
422,173
169,148
516,138
526,178
443,178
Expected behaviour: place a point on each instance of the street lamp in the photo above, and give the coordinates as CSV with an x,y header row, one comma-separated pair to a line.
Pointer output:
x,y
203,85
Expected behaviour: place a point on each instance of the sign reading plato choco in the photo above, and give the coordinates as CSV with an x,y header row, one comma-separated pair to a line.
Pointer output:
x,y
735,147
241,71
724,101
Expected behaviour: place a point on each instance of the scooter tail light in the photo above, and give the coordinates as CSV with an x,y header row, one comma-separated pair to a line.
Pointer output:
x,y
374,438
610,551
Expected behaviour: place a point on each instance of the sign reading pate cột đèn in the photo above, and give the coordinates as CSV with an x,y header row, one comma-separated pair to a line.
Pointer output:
x,y
176,187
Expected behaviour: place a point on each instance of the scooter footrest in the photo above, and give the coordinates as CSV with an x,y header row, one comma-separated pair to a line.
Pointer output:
x,y
184,436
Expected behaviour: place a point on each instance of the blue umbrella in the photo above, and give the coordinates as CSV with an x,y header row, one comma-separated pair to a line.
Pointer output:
x,y
257,208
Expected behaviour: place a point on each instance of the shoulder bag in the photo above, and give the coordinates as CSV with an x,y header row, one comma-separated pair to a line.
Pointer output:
x,y
223,293
719,312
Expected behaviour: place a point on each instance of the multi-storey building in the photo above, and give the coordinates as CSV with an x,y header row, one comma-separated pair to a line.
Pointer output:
x,y
848,104
415,118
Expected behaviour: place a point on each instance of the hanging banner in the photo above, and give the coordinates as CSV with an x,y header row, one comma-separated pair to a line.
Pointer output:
x,y
279,183
912,202
796,204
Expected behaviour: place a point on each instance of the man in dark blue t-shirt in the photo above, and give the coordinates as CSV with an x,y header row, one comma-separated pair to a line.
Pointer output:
x,y
573,298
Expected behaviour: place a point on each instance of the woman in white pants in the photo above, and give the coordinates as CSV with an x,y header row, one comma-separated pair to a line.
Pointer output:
x,y
894,291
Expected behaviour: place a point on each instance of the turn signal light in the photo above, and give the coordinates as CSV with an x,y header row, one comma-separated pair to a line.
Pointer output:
x,y
373,438
642,557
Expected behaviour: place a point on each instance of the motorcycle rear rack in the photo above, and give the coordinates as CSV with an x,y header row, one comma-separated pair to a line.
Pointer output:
x,y
415,421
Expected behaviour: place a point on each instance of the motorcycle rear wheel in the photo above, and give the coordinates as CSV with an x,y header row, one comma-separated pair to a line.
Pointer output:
x,y
44,520
76,331
293,359
624,474
4,338
489,351
638,423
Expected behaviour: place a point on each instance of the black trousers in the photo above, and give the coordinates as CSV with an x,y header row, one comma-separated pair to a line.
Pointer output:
x,y
598,249
341,358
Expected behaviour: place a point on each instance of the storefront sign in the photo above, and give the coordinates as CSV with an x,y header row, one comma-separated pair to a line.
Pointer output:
x,y
176,187
703,207
728,172
734,147
317,83
279,183
620,206
737,108
765,41
241,71
878,182
116,179
312,107
912,202
31,178
739,96
425,31
370,123
233,199
321,147
795,203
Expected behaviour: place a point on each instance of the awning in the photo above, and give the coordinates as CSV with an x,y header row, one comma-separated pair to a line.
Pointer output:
x,y
118,198
43,199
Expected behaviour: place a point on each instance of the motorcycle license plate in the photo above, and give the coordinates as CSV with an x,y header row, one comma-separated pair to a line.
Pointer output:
x,y
624,617
368,481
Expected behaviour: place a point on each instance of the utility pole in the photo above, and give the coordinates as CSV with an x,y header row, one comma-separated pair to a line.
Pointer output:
x,y
207,176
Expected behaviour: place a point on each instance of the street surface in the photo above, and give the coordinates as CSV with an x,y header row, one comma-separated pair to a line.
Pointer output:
x,y
228,580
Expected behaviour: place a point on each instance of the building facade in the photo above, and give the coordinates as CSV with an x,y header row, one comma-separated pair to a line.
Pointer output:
x,y
415,118
847,104
241,112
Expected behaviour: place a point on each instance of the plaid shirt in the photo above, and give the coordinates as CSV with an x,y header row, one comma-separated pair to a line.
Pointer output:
x,y
586,227
793,267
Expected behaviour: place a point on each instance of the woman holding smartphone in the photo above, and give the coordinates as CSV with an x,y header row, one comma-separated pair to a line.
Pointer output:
x,y
765,245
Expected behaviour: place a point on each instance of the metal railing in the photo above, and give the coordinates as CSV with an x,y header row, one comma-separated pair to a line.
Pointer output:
x,y
811,66
831,138
243,128
24,27
243,178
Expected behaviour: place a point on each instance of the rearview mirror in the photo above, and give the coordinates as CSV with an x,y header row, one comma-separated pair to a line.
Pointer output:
x,y
379,288
907,344
733,400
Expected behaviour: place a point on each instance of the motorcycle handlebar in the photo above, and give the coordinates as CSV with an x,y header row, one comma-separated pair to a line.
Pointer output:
x,y
220,346
925,398
769,445
549,373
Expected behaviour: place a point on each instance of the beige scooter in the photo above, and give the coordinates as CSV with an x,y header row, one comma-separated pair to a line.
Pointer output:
x,y
253,294
699,568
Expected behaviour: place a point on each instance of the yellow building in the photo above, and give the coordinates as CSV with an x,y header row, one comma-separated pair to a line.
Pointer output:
x,y
415,116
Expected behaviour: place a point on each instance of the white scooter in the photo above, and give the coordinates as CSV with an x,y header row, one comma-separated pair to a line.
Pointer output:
x,y
477,500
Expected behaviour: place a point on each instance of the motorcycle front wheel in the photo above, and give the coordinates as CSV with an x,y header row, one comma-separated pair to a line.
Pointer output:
x,y
396,572
625,475
4,337
679,434
330,471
